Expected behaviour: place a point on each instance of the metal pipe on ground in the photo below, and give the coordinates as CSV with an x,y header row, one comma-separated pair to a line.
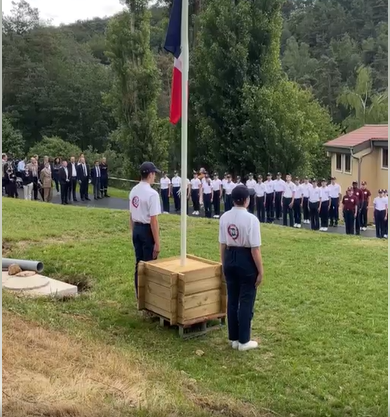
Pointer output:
x,y
36,266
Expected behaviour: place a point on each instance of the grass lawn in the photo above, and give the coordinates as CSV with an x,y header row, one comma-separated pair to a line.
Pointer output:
x,y
321,318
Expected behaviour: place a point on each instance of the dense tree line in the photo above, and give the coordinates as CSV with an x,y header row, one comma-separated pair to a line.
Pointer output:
x,y
270,82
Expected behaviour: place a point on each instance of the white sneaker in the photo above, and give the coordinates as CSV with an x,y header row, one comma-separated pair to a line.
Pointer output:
x,y
234,344
364,229
248,346
166,212
299,226
295,225
325,229
321,229
385,236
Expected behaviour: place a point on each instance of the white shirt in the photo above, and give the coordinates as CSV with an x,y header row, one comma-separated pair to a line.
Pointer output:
x,y
324,193
269,187
279,185
260,189
334,190
314,194
164,183
298,192
229,187
74,172
251,184
207,187
380,203
66,172
97,170
85,169
224,182
176,181
216,184
238,227
306,189
289,189
144,203
195,183
21,166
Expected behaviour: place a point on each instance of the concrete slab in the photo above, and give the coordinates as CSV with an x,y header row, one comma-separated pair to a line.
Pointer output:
x,y
37,285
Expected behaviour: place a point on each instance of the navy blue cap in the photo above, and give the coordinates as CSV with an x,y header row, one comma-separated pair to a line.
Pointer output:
x,y
148,167
240,193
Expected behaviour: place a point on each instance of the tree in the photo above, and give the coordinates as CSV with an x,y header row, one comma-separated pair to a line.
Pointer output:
x,y
136,86
365,106
54,147
23,18
12,140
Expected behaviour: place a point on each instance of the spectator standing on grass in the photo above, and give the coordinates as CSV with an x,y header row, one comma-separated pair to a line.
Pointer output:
x,y
64,182
11,187
145,207
33,167
104,178
21,165
96,178
366,194
83,178
240,241
28,185
56,168
350,211
380,214
72,170
46,181
314,205
165,189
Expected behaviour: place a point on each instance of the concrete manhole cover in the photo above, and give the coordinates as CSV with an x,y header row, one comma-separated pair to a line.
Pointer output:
x,y
25,283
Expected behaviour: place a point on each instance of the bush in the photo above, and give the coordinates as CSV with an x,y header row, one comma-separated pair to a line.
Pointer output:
x,y
54,147
12,140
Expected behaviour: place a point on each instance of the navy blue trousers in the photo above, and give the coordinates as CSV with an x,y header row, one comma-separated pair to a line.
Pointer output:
x,y
314,215
176,198
334,211
380,223
297,211
165,200
143,243
241,274
207,205
287,210
217,202
269,207
260,209
228,202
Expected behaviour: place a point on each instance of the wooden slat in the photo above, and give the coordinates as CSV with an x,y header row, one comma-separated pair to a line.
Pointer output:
x,y
157,310
160,290
202,311
199,286
162,279
200,299
160,302
209,271
206,261
189,323
141,286
161,260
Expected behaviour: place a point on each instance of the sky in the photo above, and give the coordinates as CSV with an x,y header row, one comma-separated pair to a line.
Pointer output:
x,y
68,11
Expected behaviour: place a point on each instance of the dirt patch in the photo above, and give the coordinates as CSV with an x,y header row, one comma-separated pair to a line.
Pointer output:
x,y
83,282
7,247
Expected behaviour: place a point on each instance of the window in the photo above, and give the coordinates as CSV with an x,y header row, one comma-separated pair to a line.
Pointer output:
x,y
347,163
338,161
385,158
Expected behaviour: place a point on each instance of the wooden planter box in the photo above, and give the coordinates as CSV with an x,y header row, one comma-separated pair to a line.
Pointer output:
x,y
185,295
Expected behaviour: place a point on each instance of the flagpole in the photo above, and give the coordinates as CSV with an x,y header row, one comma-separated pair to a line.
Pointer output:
x,y
184,130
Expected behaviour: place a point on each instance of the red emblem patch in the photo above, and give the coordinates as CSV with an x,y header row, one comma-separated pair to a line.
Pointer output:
x,y
135,202
233,231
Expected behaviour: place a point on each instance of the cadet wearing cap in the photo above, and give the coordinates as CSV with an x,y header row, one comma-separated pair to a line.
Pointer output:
x,y
251,183
335,195
298,201
217,195
224,181
144,208
207,195
260,199
228,193
240,241
366,194
195,187
358,194
269,198
288,200
314,205
176,184
279,189
306,186
165,185
350,211
324,205
380,214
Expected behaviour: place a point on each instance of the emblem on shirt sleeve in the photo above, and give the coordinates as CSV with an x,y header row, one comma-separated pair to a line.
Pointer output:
x,y
233,231
135,202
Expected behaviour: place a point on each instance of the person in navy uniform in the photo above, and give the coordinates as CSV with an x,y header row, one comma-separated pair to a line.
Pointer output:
x,y
288,196
176,184
335,195
251,183
314,205
104,178
350,210
358,194
279,189
325,203
380,214
240,241
269,198
217,195
206,195
260,199
229,186
83,178
306,186
196,185
298,203
64,177
165,189
145,207
96,176
366,194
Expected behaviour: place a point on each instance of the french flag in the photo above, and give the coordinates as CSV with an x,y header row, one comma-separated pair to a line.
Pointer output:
x,y
173,45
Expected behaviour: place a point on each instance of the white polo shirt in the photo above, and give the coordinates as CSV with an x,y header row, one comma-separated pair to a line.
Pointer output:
x,y
229,187
279,185
324,194
251,184
216,184
289,189
380,203
269,187
164,183
306,189
260,189
298,192
334,190
224,182
144,202
176,181
238,227
207,187
195,183
314,194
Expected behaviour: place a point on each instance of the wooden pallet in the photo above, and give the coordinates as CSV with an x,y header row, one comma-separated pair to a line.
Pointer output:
x,y
198,328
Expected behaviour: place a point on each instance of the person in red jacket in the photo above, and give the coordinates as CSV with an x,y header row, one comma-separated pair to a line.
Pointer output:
x,y
357,192
350,210
366,194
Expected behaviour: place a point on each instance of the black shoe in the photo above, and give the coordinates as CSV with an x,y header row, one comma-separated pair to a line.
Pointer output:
x,y
83,199
75,200
88,199
106,195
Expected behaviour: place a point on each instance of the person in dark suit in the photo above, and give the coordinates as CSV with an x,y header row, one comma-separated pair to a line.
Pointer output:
x,y
72,169
83,178
63,175
104,178
96,177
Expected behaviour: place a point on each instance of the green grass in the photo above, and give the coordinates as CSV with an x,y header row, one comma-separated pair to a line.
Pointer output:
x,y
321,314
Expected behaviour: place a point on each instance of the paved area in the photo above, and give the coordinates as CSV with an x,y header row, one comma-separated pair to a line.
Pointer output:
x,y
120,204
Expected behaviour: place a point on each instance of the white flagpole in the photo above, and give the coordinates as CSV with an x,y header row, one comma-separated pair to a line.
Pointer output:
x,y
184,130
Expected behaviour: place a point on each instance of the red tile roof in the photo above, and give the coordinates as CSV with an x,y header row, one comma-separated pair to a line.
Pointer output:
x,y
358,136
